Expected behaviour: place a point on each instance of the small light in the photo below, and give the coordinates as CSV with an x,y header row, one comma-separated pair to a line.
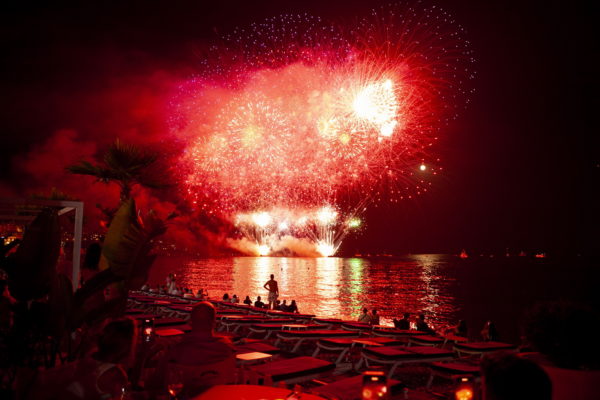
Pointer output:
x,y
464,394
422,167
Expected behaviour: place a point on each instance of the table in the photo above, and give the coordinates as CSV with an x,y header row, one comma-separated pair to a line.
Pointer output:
x,y
168,332
251,392
245,358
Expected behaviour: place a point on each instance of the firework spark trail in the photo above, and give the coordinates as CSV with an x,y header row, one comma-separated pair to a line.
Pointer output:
x,y
270,231
292,114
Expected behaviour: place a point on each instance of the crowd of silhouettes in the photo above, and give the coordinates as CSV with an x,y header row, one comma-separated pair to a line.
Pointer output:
x,y
371,318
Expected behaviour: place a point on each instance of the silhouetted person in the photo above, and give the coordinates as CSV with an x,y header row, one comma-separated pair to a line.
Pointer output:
x,y
201,346
99,376
273,289
198,350
5,307
506,376
91,262
258,303
403,323
422,325
459,329
364,317
247,301
489,333
374,317
293,307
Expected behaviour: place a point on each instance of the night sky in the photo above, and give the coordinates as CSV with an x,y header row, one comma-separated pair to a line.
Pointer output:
x,y
521,163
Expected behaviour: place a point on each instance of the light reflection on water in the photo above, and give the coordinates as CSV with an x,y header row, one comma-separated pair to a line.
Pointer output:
x,y
328,287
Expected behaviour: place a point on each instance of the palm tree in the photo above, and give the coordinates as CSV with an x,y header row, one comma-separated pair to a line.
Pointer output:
x,y
124,164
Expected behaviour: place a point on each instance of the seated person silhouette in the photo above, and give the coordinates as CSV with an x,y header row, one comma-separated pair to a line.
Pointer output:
x,y
201,359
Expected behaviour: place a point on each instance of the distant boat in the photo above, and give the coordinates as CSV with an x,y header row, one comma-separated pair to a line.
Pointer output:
x,y
463,254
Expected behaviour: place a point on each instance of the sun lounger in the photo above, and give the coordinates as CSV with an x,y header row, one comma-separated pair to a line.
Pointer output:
x,y
257,310
356,326
328,323
290,371
257,346
237,323
453,370
426,340
300,336
227,320
396,333
284,314
454,339
482,348
269,327
351,388
344,345
221,311
398,355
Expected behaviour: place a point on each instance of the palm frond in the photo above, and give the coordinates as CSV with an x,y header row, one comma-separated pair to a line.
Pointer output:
x,y
128,158
84,168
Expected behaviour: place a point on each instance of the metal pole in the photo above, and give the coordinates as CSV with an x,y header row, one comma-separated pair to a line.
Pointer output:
x,y
77,244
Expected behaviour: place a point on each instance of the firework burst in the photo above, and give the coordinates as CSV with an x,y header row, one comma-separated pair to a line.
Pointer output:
x,y
292,114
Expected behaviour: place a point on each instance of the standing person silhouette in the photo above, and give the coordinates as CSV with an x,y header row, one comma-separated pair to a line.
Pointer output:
x,y
273,289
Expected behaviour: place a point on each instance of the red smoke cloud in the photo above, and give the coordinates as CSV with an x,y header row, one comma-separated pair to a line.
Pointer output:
x,y
133,108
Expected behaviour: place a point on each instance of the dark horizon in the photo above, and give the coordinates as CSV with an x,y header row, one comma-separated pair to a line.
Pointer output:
x,y
521,163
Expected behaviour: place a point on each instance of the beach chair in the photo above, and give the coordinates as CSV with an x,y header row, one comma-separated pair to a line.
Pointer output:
x,y
356,327
178,311
269,328
351,388
328,323
232,321
238,323
284,314
425,340
453,370
396,333
399,355
290,371
300,336
482,348
257,346
344,345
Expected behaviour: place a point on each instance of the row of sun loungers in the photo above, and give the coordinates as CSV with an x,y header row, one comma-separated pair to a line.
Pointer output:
x,y
263,335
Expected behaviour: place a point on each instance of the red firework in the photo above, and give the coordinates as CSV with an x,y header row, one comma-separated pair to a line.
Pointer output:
x,y
290,113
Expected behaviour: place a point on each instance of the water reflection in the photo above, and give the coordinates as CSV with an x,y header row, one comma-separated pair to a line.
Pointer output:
x,y
328,287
